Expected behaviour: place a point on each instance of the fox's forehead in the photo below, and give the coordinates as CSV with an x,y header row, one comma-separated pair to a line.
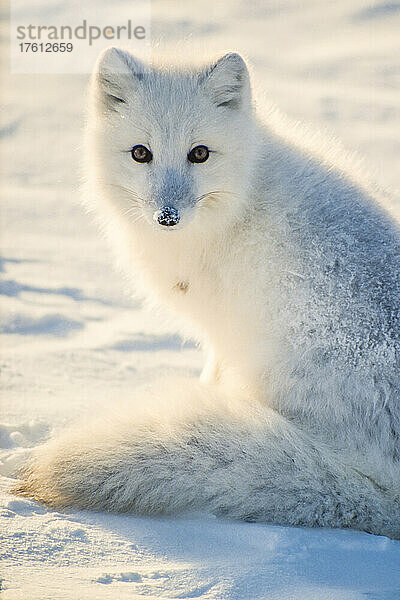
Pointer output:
x,y
170,109
171,106
168,88
171,100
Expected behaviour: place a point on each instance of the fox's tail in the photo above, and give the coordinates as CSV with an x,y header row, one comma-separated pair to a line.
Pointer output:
x,y
183,446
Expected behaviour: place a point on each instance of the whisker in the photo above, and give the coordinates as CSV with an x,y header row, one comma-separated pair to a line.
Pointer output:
x,y
128,190
131,210
138,218
214,193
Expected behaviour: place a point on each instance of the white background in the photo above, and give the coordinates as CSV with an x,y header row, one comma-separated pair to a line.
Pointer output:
x,y
73,13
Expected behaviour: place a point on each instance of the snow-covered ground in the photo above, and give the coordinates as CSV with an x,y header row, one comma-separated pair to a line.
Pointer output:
x,y
74,342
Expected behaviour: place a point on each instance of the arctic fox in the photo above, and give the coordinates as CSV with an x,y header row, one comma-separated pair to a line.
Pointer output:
x,y
285,269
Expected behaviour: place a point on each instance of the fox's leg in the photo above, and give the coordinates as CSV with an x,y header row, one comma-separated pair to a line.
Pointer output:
x,y
194,449
230,380
211,370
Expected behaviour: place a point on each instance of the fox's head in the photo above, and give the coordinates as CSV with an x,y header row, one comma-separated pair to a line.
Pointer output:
x,y
171,147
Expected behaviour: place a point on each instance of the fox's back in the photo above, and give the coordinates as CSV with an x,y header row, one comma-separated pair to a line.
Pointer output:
x,y
339,309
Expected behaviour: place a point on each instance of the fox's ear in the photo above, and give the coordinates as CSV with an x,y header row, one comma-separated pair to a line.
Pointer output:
x,y
116,75
227,81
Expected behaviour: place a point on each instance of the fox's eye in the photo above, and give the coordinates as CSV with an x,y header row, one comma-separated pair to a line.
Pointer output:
x,y
141,154
199,154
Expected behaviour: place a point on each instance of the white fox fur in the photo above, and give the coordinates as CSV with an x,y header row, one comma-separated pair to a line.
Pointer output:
x,y
286,269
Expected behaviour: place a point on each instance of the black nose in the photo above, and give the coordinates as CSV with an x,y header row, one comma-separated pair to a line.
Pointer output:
x,y
168,216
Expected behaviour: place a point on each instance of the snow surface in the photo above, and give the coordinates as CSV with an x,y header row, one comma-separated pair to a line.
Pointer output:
x,y
74,342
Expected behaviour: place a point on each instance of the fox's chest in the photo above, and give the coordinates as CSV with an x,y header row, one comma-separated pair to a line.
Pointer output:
x,y
200,288
222,302
217,296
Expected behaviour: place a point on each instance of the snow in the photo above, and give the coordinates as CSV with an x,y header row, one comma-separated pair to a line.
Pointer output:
x,y
74,341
